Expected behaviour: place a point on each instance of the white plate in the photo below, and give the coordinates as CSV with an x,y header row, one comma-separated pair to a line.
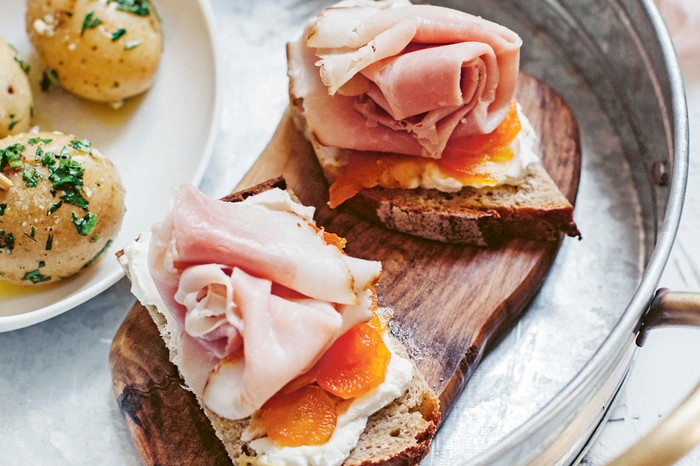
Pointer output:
x,y
158,141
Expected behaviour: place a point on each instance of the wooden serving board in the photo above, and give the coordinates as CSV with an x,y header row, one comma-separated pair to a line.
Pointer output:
x,y
450,302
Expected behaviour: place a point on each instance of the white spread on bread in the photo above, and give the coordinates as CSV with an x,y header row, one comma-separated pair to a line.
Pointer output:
x,y
241,335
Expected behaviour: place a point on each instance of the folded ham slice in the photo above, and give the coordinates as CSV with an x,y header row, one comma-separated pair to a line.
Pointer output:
x,y
282,339
389,76
277,245
254,288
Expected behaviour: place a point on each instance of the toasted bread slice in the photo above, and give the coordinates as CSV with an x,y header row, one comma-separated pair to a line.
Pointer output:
x,y
535,210
398,434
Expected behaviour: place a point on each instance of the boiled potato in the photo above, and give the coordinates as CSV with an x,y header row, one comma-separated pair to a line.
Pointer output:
x,y
102,50
16,104
61,203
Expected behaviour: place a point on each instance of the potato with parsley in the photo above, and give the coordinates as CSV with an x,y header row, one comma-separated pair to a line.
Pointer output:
x,y
102,50
61,203
16,103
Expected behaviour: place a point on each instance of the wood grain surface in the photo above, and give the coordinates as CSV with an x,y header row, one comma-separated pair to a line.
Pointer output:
x,y
450,303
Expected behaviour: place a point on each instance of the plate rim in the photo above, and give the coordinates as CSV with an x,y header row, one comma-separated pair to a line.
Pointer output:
x,y
36,316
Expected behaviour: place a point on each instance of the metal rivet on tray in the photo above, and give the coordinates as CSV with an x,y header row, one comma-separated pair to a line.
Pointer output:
x,y
659,173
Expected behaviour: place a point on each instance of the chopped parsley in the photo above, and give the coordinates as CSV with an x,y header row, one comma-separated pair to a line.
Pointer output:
x,y
31,176
3,206
49,78
23,64
85,225
132,45
31,111
42,264
90,22
35,276
66,175
7,241
95,238
47,158
117,34
75,198
54,207
33,141
49,242
137,7
11,156
32,234
97,256
82,145
13,124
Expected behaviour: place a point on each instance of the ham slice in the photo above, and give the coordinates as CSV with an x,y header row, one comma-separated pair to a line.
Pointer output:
x,y
212,316
394,77
282,339
277,245
256,292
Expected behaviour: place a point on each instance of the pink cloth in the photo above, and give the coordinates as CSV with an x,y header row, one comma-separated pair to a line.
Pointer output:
x,y
683,20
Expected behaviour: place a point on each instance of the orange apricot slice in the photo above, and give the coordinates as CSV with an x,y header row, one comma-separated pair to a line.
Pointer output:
x,y
306,416
480,144
331,238
355,364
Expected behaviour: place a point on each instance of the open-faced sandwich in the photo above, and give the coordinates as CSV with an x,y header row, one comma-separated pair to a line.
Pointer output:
x,y
411,112
278,333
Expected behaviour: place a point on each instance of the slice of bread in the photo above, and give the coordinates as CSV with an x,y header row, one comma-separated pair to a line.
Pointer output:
x,y
398,434
534,210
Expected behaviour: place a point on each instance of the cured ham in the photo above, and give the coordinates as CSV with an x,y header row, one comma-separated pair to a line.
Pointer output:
x,y
389,76
277,245
283,339
256,292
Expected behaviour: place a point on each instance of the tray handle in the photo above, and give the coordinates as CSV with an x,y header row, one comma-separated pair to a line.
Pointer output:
x,y
679,432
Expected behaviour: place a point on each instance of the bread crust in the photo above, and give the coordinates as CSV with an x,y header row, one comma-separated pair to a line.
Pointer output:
x,y
398,434
536,210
